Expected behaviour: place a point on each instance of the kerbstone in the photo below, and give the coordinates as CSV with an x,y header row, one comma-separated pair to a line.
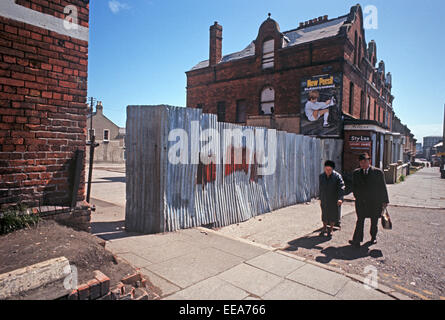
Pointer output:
x,y
357,291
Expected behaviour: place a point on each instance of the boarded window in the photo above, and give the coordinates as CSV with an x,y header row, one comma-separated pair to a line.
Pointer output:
x,y
267,101
241,111
106,135
221,111
268,54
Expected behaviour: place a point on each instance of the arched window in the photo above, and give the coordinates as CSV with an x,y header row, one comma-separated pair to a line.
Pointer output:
x,y
267,101
268,54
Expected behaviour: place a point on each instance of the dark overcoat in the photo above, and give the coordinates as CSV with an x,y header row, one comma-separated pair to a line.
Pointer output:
x,y
370,192
331,190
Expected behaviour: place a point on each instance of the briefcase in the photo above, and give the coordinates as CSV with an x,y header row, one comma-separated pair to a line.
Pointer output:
x,y
386,220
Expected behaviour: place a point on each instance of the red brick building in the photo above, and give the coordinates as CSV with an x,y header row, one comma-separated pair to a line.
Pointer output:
x,y
233,85
43,90
261,85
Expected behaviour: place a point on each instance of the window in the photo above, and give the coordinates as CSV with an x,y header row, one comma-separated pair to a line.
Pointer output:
x,y
268,54
351,98
362,106
267,101
221,111
355,48
359,53
106,135
368,107
241,111
91,132
375,111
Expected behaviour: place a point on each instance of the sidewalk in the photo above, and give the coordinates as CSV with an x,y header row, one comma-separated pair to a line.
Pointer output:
x,y
199,264
424,189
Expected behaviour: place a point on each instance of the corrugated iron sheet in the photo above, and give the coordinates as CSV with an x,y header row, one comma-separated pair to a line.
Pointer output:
x,y
163,197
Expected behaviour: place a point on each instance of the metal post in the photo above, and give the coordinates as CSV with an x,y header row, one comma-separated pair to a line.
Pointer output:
x,y
92,145
442,168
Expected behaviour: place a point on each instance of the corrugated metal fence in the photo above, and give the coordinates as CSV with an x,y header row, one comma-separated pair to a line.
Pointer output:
x,y
163,197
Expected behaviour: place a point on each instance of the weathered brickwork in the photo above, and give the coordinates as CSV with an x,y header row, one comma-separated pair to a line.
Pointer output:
x,y
43,90
244,78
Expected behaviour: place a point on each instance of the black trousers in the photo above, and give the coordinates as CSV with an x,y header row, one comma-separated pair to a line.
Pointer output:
x,y
358,234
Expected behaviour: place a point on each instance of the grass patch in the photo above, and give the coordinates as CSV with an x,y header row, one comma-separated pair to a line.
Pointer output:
x,y
17,218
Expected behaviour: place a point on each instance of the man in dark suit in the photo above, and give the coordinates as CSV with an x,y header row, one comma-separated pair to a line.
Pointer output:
x,y
371,197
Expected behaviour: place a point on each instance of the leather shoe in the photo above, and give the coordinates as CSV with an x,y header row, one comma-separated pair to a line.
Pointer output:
x,y
354,244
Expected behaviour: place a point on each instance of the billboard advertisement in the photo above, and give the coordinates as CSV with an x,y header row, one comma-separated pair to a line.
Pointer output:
x,y
321,112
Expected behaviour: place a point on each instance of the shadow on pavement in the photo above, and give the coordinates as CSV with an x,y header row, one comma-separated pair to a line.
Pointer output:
x,y
111,230
110,179
346,252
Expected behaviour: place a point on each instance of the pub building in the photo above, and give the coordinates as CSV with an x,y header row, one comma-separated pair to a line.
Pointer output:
x,y
320,79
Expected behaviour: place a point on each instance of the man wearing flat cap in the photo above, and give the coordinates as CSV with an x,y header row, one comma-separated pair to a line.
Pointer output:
x,y
371,197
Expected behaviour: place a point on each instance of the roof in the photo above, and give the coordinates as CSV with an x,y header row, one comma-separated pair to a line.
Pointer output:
x,y
330,28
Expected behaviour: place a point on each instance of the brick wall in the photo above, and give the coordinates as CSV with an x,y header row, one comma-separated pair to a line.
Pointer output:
x,y
43,90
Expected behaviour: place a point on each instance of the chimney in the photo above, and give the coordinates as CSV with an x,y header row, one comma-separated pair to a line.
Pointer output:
x,y
99,107
215,44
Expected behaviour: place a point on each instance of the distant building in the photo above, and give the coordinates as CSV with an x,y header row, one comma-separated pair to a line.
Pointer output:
x,y
428,144
419,149
111,138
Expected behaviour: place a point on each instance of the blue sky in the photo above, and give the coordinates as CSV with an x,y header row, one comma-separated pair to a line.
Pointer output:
x,y
140,49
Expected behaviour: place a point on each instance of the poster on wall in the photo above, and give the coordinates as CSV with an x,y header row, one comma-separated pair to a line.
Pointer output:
x,y
321,112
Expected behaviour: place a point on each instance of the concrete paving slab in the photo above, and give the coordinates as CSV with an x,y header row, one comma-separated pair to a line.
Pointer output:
x,y
161,253
211,289
289,290
235,247
318,278
194,267
135,260
165,287
357,291
251,279
276,263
